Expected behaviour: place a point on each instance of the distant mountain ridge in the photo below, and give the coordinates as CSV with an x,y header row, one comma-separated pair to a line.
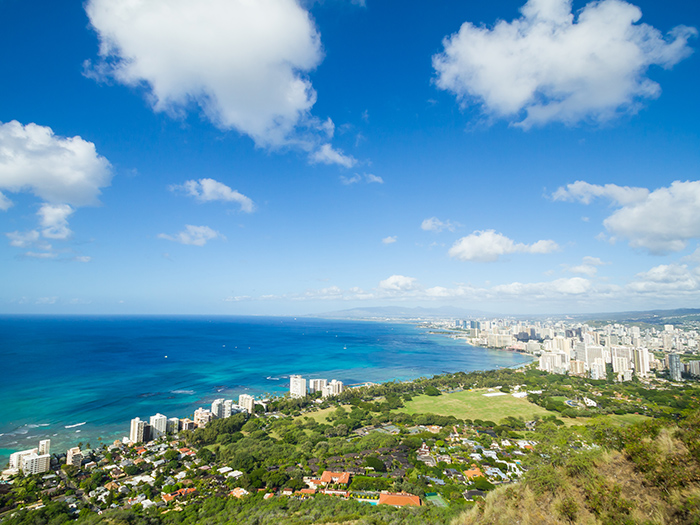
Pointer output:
x,y
397,312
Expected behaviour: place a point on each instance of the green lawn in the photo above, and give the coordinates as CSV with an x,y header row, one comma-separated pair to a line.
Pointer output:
x,y
474,405
320,415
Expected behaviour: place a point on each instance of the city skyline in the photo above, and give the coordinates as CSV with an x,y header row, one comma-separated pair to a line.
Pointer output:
x,y
289,158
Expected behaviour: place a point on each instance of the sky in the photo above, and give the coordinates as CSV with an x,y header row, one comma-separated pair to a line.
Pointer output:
x,y
289,157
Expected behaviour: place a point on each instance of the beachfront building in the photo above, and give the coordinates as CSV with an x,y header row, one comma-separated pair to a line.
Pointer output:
x,y
247,402
202,416
74,457
317,385
44,447
332,389
186,424
35,463
297,386
16,458
137,430
159,426
217,408
172,425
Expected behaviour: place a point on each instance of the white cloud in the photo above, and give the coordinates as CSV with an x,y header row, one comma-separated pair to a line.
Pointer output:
x,y
391,239
398,283
23,239
193,235
64,172
488,246
588,267
207,190
41,255
5,203
369,178
58,170
46,300
244,63
549,65
659,221
584,192
54,220
667,279
436,225
326,154
82,258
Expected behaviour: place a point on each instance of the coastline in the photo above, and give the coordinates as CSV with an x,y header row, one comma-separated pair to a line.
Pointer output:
x,y
178,385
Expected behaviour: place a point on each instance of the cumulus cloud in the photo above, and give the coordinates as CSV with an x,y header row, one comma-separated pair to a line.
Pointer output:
x,y
193,235
58,170
391,239
659,221
674,279
54,220
208,190
64,172
398,283
433,224
326,154
488,246
244,63
589,266
550,65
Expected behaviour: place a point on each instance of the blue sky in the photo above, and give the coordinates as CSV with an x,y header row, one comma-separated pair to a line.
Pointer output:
x,y
286,157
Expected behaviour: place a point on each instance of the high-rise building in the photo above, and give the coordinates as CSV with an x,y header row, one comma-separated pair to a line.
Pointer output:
x,y
674,367
74,457
16,458
44,447
641,361
217,408
159,426
227,408
173,425
247,402
332,389
35,463
297,386
202,416
136,433
316,385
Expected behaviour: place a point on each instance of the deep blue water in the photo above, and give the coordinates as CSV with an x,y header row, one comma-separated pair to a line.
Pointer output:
x,y
104,371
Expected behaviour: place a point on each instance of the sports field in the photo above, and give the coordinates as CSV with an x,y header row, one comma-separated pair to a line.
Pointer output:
x,y
474,405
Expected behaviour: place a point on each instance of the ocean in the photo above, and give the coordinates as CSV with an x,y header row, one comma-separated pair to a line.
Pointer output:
x,y
82,379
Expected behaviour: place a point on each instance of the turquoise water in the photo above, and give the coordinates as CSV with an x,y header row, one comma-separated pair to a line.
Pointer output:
x,y
78,379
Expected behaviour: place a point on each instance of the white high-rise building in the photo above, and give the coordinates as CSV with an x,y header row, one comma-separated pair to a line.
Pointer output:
x,y
136,432
16,458
74,457
332,389
202,416
44,447
316,385
159,426
247,402
35,464
227,408
297,386
217,408
641,362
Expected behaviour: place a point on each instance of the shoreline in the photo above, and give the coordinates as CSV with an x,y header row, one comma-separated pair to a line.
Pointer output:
x,y
106,429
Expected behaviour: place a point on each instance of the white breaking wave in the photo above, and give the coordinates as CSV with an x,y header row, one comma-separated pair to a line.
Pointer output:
x,y
76,425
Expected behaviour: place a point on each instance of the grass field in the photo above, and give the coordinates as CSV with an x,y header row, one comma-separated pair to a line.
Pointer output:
x,y
320,415
474,405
